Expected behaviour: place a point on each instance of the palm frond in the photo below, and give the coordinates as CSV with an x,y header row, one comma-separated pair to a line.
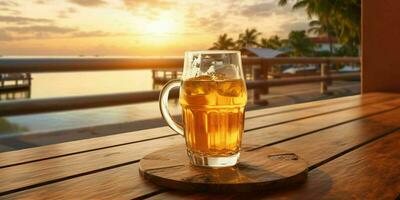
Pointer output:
x,y
282,2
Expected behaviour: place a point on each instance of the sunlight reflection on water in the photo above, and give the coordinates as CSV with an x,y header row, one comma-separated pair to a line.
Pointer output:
x,y
45,85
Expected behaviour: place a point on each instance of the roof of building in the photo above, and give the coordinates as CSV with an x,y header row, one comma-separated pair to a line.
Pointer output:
x,y
264,52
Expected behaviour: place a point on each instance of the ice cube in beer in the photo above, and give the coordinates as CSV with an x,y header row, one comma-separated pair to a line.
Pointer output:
x,y
218,76
228,71
230,88
198,86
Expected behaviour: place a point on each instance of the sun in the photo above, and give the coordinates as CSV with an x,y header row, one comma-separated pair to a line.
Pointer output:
x,y
160,26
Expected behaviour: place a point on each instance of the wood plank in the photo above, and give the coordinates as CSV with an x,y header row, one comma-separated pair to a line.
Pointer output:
x,y
281,118
380,71
70,148
26,155
128,153
171,168
369,172
332,142
117,183
282,114
314,104
299,128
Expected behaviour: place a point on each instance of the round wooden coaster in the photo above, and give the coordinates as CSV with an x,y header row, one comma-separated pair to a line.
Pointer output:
x,y
259,170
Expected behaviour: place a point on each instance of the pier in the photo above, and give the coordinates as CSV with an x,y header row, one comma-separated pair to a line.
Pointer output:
x,y
15,86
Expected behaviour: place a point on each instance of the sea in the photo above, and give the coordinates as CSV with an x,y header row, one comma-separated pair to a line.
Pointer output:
x,y
48,85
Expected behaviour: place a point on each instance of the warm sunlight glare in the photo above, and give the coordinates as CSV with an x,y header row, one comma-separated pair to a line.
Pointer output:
x,y
160,26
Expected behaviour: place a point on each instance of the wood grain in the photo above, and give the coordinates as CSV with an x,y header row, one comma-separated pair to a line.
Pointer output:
x,y
58,168
370,97
286,131
380,60
370,172
331,144
279,115
68,148
264,121
265,169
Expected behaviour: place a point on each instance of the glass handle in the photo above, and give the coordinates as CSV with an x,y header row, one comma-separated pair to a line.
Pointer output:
x,y
163,101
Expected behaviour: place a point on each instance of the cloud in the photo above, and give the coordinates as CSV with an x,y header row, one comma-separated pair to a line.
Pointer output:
x,y
9,7
88,3
213,23
65,13
298,25
148,8
8,3
159,4
39,29
42,1
10,11
91,34
46,32
62,14
262,9
4,36
22,20
72,10
265,9
285,28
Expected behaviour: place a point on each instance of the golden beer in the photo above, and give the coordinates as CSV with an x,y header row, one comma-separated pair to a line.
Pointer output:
x,y
213,115
213,98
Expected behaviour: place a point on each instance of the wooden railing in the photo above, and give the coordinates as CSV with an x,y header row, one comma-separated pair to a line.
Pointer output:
x,y
39,65
259,66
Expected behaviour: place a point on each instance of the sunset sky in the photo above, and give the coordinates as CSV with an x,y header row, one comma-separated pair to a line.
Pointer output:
x,y
134,27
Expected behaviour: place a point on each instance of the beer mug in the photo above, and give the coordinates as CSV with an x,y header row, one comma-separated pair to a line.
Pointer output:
x,y
213,97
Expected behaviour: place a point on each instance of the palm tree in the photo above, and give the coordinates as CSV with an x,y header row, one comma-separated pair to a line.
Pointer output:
x,y
300,44
223,43
274,42
319,28
343,15
248,38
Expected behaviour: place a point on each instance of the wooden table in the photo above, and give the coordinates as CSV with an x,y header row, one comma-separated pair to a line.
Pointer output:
x,y
351,145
